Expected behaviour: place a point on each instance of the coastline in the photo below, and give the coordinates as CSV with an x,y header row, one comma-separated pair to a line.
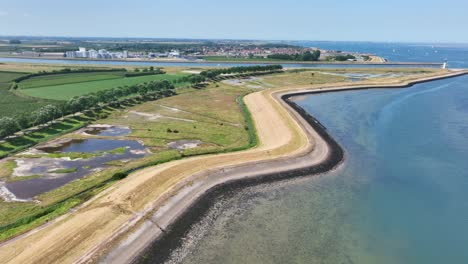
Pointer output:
x,y
215,63
170,234
47,241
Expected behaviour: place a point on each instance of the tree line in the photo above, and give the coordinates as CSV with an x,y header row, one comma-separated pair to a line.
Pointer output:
x,y
204,76
146,91
342,57
306,56
145,71
93,101
242,69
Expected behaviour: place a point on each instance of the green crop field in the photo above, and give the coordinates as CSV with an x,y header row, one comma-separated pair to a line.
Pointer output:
x,y
67,91
67,78
12,104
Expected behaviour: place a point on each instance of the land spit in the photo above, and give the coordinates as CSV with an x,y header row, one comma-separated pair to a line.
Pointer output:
x,y
143,204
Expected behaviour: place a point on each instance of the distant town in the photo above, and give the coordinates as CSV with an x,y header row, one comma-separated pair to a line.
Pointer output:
x,y
175,50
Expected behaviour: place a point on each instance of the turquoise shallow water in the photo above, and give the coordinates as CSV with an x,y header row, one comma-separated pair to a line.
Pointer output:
x,y
401,196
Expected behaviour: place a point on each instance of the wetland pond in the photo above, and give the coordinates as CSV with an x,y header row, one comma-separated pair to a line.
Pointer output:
x,y
59,162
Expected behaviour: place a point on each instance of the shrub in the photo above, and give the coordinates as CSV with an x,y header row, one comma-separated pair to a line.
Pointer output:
x,y
120,175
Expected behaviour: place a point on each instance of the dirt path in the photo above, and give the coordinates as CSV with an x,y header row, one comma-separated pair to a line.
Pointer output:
x,y
81,234
67,240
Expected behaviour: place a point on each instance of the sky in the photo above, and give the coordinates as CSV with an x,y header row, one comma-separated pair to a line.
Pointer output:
x,y
353,20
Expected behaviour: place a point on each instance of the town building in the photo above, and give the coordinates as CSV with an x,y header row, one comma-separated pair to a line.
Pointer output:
x,y
93,54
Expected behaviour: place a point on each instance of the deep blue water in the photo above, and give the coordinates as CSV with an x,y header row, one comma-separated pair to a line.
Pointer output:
x,y
455,54
400,196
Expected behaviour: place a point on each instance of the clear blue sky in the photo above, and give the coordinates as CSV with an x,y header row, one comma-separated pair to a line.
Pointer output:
x,y
374,20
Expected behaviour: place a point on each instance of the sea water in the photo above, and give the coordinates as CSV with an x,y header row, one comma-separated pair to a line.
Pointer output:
x,y
400,196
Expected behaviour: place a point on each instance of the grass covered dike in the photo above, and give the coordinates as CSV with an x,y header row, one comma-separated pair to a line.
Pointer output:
x,y
90,186
18,218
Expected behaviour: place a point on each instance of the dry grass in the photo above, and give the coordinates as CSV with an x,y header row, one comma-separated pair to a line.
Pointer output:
x,y
135,192
211,115
6,168
218,123
294,78
279,135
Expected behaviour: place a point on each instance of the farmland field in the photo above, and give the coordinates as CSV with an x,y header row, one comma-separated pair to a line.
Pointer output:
x,y
67,78
69,90
12,104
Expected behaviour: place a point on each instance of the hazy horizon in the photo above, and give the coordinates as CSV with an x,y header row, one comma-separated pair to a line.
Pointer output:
x,y
364,20
229,39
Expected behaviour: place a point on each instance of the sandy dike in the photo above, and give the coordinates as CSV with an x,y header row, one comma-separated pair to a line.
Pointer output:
x,y
152,199
164,229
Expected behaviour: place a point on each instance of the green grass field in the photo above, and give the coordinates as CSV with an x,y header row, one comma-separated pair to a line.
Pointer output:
x,y
67,91
12,104
67,78
212,115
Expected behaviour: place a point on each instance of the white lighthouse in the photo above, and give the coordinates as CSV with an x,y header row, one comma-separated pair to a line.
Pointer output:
x,y
445,65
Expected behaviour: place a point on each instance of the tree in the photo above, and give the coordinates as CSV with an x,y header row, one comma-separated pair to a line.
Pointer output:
x,y
195,79
307,56
311,56
316,54
74,105
151,68
92,101
52,112
101,96
15,41
45,114
344,57
134,88
63,109
24,121
110,95
8,126
126,90
40,117
143,90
